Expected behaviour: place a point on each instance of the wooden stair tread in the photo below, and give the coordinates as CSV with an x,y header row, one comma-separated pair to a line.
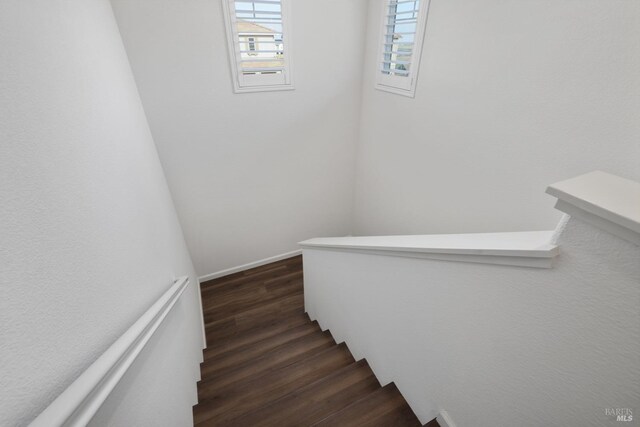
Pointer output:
x,y
217,296
255,317
258,347
229,306
251,292
249,395
317,400
256,334
369,410
230,282
232,285
277,358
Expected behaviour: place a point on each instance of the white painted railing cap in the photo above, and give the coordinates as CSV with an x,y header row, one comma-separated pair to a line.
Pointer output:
x,y
524,249
604,200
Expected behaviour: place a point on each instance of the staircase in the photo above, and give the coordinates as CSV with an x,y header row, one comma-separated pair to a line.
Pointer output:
x,y
269,365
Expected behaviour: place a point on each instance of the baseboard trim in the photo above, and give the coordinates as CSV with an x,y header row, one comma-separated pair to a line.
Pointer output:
x,y
250,265
445,420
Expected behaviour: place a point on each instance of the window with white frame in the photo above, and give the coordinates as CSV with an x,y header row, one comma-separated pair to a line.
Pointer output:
x,y
403,28
259,36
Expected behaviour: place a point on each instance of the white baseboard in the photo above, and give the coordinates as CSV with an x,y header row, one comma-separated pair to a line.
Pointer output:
x,y
445,420
248,266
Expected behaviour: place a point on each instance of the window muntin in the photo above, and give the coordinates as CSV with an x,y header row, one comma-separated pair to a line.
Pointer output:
x,y
258,35
402,34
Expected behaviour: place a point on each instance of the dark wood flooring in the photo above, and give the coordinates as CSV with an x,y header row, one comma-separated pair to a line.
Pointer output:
x,y
268,364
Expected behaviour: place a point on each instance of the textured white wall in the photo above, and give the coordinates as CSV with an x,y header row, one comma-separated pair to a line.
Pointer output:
x,y
493,345
89,235
512,95
251,174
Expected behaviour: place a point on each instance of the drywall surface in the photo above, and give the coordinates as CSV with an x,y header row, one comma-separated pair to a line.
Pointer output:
x,y
251,174
89,235
493,345
512,95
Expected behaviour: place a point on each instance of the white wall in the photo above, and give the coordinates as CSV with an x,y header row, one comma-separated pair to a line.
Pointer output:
x,y
512,95
493,345
89,235
251,174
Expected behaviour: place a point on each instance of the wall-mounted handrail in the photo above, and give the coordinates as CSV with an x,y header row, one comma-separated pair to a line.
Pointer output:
x,y
77,405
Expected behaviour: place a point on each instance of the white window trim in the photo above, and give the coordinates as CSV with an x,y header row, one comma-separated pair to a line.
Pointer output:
x,y
260,83
395,84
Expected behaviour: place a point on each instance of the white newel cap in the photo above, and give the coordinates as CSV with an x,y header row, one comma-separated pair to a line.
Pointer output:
x,y
603,200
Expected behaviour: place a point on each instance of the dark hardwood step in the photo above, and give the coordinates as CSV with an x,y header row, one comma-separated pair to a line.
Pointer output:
x,y
293,276
247,396
256,334
228,306
278,275
289,340
278,358
255,317
257,274
248,292
225,285
263,345
249,288
317,400
372,410
292,262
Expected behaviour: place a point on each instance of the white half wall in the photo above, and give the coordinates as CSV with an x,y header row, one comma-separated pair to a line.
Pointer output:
x,y
512,95
251,174
89,235
493,345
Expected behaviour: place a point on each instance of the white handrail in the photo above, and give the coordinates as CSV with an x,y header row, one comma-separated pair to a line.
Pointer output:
x,y
524,249
77,405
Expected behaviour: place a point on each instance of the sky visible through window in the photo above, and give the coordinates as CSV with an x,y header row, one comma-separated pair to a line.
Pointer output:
x,y
271,16
400,32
